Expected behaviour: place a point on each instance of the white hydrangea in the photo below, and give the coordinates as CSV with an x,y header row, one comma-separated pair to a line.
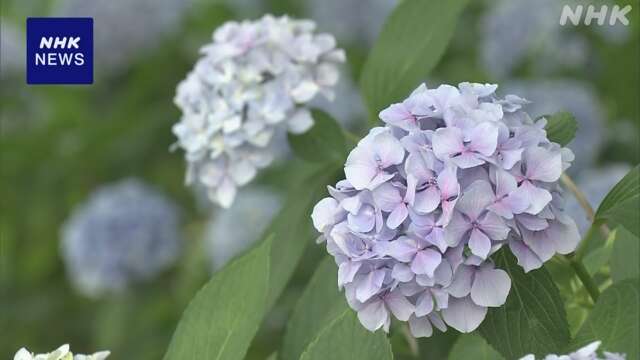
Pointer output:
x,y
588,352
233,231
252,82
61,353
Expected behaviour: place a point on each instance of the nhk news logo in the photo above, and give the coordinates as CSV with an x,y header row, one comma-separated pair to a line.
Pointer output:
x,y
59,51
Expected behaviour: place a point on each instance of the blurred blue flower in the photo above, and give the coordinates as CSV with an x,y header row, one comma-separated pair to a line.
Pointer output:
x,y
12,49
235,229
124,233
124,30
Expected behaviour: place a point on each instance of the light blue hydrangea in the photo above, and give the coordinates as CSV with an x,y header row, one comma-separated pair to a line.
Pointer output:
x,y
595,183
255,206
124,233
456,174
12,49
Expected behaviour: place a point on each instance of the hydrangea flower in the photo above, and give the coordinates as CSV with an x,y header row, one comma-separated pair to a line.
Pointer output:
x,y
251,84
61,353
124,233
588,352
13,49
455,174
225,239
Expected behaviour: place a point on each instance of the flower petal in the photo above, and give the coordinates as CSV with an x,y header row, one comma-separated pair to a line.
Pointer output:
x,y
463,314
490,287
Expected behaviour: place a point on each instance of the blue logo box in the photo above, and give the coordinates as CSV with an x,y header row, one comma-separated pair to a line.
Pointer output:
x,y
59,50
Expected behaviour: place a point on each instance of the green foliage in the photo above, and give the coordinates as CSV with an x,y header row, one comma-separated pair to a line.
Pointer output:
x,y
622,203
561,127
324,142
533,320
624,257
221,320
412,41
319,304
344,338
614,320
473,346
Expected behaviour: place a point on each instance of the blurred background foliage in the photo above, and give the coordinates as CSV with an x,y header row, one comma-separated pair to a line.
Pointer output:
x,y
60,143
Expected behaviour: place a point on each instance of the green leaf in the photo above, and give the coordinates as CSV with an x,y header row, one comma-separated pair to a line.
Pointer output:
x,y
614,320
622,203
473,346
561,127
223,317
624,258
533,320
319,304
344,338
324,142
413,39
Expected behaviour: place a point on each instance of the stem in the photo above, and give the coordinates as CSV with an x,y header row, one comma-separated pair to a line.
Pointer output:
x,y
579,195
411,341
585,278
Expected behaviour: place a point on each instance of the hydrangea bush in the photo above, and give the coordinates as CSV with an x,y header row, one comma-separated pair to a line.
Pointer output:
x,y
61,353
124,233
453,176
252,82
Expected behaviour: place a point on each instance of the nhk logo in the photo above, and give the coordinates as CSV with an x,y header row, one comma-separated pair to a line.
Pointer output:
x,y
59,50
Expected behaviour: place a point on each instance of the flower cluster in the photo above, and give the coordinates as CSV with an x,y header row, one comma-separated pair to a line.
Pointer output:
x,y
251,84
454,175
61,353
126,232
589,352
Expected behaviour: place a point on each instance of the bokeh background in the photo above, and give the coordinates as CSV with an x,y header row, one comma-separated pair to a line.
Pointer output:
x,y
83,165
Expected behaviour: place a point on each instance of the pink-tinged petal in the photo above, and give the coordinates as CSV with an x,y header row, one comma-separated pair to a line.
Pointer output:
x,y
542,164
420,327
402,249
389,149
323,214
400,307
369,285
347,271
457,227
418,167
508,158
462,281
397,216
490,287
387,197
374,315
398,115
476,199
436,237
363,221
527,259
360,167
427,200
424,305
402,272
447,142
479,243
505,183
448,182
463,314
501,209
494,227
467,160
379,179
484,138
516,202
532,222
425,262
565,235
536,197
540,243
447,212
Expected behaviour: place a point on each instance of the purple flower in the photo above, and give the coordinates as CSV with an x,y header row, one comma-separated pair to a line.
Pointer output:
x,y
454,175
